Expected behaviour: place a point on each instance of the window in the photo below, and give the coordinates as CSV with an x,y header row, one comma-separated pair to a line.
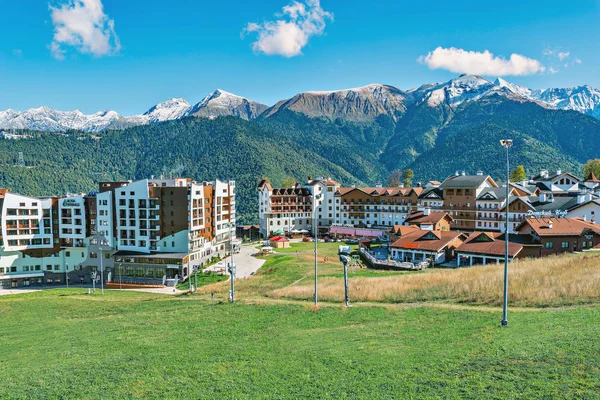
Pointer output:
x,y
57,267
67,254
565,245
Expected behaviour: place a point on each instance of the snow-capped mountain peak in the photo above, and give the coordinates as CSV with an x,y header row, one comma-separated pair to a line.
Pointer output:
x,y
167,110
355,104
517,89
455,91
220,103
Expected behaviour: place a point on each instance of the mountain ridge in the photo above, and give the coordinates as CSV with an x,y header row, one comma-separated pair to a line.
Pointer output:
x,y
359,104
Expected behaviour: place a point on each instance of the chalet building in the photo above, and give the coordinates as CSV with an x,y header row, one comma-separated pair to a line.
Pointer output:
x,y
482,248
560,235
473,202
558,182
148,230
432,198
535,237
428,220
248,232
425,245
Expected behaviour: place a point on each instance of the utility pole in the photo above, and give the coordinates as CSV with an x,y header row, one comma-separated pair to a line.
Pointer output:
x,y
120,276
67,274
506,143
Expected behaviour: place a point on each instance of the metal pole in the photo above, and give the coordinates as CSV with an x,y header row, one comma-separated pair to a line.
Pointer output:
x,y
232,266
101,271
506,144
346,297
316,240
120,276
195,279
67,274
189,273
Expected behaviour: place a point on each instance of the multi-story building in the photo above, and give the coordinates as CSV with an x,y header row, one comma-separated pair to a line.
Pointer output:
x,y
324,203
144,231
478,203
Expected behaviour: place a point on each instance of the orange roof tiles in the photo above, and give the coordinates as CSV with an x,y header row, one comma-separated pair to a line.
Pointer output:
x,y
419,240
559,226
492,246
419,217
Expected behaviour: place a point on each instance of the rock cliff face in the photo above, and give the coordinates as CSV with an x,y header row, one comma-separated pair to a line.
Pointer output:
x,y
359,104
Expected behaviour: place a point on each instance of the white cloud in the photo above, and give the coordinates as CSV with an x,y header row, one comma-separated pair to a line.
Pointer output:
x,y
480,63
552,70
83,25
577,61
288,35
562,55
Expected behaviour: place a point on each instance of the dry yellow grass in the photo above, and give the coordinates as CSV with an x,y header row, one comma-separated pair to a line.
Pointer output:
x,y
550,281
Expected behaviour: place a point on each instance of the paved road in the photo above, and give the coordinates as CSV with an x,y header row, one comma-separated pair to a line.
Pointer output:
x,y
4,292
245,262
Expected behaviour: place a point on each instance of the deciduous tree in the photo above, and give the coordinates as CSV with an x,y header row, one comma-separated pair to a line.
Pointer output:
x,y
518,174
408,176
592,166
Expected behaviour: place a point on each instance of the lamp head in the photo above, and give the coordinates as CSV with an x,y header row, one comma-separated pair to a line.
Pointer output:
x,y
506,143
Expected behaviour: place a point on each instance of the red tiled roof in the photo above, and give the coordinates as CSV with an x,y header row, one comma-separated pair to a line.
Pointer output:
x,y
560,226
592,178
416,240
493,247
419,217
402,230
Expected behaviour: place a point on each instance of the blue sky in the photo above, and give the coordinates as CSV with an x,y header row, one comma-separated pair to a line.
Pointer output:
x,y
141,52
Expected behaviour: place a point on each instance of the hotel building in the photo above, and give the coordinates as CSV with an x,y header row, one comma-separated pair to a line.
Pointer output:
x,y
146,231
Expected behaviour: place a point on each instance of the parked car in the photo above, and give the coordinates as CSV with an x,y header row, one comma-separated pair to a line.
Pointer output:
x,y
327,240
306,239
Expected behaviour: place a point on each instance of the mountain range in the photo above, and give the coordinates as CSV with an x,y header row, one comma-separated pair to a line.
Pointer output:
x,y
358,104
356,136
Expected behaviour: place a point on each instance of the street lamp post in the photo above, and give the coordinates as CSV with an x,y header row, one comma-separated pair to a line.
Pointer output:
x,y
345,259
506,143
315,215
120,276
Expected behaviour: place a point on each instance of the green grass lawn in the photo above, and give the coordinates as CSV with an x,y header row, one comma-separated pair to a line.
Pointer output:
x,y
203,280
65,344
285,267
